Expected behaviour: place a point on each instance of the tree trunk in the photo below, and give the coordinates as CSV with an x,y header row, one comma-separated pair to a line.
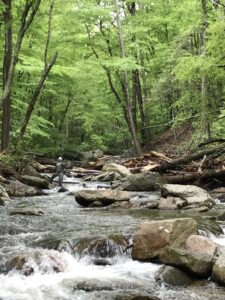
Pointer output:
x,y
137,97
126,84
10,61
69,101
6,113
29,12
205,129
35,97
47,69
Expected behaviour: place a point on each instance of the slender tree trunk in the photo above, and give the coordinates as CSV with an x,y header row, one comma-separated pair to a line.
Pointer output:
x,y
144,130
29,12
137,97
35,97
126,84
69,101
204,105
49,33
47,69
6,112
10,60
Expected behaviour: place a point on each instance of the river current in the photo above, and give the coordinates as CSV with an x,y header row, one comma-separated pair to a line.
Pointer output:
x,y
62,219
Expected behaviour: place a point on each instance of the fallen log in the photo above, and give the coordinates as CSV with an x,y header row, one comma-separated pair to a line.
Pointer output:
x,y
193,177
216,140
175,163
160,155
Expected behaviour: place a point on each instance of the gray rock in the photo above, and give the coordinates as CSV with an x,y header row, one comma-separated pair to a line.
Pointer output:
x,y
195,263
116,168
172,276
107,177
27,211
24,263
171,203
101,248
218,271
34,181
148,181
105,247
185,196
18,189
62,189
106,197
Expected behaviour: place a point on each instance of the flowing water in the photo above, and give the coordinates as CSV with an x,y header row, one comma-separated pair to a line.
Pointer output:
x,y
61,219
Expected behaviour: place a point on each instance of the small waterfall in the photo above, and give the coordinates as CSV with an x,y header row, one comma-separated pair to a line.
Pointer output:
x,y
69,253
59,275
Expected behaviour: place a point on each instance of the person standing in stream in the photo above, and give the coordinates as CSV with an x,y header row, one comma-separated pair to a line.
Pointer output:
x,y
59,171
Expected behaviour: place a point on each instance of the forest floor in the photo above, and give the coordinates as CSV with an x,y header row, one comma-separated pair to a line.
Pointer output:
x,y
173,141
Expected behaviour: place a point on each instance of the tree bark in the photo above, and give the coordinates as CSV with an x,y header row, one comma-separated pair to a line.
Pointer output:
x,y
47,69
137,145
10,61
49,32
69,101
6,113
205,127
29,12
137,97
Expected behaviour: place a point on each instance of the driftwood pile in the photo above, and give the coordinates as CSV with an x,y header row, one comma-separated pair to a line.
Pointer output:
x,y
204,168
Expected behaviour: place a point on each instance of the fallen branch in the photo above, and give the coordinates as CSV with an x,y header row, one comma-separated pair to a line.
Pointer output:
x,y
173,164
192,177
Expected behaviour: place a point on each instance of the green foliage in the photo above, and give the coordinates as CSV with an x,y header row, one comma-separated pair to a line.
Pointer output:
x,y
78,109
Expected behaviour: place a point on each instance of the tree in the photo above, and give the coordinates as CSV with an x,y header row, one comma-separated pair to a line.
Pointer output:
x,y
6,114
126,82
11,59
47,69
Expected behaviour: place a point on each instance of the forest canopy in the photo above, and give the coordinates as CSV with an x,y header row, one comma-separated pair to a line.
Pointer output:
x,y
111,74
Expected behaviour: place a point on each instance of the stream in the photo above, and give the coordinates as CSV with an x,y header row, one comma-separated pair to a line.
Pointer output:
x,y
62,219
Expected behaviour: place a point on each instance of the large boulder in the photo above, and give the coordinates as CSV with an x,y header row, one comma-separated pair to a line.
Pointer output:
x,y
101,250
105,197
28,263
194,263
34,181
218,271
116,168
171,203
18,189
176,196
104,176
106,246
151,239
172,276
149,181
